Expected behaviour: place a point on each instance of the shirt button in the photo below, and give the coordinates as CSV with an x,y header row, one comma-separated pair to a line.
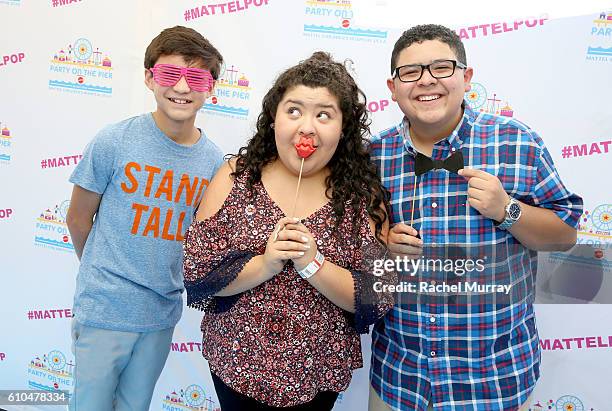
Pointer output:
x,y
432,282
434,204
452,148
432,319
433,353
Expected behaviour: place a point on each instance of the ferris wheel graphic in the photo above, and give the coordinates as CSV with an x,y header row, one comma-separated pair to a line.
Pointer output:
x,y
194,395
477,96
602,217
57,360
82,49
569,403
63,208
222,70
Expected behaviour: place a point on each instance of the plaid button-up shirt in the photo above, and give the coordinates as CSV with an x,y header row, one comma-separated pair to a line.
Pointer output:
x,y
464,356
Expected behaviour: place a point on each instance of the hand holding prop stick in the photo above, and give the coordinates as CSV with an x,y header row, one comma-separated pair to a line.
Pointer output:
x,y
304,149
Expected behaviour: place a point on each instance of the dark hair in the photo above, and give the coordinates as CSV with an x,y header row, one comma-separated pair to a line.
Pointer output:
x,y
353,176
418,34
186,42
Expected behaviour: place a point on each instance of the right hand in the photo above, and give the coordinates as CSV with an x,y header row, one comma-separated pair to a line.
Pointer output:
x,y
403,241
287,245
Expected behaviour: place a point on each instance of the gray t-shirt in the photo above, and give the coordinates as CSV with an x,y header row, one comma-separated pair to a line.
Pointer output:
x,y
131,276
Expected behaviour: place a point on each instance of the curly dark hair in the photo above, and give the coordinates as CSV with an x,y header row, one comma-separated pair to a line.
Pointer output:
x,y
353,177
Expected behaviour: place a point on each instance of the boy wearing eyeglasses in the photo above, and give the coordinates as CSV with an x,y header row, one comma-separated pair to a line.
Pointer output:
x,y
475,179
135,192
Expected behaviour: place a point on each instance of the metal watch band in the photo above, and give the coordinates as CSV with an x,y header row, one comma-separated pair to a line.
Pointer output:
x,y
508,221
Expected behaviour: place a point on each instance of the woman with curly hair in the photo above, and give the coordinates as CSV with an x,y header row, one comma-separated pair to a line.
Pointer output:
x,y
285,296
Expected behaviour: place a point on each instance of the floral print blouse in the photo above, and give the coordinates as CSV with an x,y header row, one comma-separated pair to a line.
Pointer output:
x,y
281,342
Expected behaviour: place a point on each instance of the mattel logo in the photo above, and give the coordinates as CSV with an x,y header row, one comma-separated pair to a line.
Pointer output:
x,y
56,3
235,6
11,59
186,347
5,213
576,343
49,314
582,150
489,29
374,106
62,161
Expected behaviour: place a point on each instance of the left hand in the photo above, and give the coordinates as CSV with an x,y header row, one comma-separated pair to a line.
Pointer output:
x,y
298,228
486,193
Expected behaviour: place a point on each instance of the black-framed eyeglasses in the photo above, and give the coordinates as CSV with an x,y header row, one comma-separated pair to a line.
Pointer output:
x,y
437,69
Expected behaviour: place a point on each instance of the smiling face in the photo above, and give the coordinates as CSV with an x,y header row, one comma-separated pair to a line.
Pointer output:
x,y
433,106
176,105
311,115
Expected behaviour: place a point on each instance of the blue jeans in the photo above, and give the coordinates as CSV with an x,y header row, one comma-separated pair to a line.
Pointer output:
x,y
116,370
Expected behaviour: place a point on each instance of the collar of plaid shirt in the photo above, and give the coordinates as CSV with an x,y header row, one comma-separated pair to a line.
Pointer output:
x,y
455,140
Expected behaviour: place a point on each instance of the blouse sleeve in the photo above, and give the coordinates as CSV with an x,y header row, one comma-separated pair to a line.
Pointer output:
x,y
210,263
372,300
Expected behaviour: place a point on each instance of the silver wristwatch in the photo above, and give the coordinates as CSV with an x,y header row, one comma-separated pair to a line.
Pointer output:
x,y
513,213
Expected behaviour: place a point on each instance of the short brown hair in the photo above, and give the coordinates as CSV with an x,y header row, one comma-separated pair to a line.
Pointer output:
x,y
419,34
186,42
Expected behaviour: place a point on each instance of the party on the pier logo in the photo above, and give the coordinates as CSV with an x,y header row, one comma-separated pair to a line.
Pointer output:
x,y
563,403
232,94
191,398
598,223
52,372
6,142
591,257
600,49
333,19
51,229
80,68
480,100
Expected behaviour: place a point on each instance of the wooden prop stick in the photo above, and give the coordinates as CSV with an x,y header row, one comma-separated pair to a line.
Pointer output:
x,y
304,149
413,197
297,190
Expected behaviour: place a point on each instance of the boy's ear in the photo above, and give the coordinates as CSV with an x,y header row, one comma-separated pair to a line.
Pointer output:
x,y
148,80
211,92
467,79
391,86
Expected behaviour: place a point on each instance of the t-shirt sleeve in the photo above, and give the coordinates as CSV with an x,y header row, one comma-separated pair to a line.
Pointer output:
x,y
95,170
219,161
550,192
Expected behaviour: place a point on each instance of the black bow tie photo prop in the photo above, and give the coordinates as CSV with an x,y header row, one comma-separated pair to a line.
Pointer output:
x,y
423,164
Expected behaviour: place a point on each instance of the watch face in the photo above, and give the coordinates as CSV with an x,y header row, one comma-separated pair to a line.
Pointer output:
x,y
514,211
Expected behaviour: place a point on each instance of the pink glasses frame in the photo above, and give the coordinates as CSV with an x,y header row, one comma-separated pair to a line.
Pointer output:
x,y
167,75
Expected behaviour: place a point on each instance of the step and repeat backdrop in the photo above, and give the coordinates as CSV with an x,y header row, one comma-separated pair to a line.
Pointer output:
x,y
68,68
